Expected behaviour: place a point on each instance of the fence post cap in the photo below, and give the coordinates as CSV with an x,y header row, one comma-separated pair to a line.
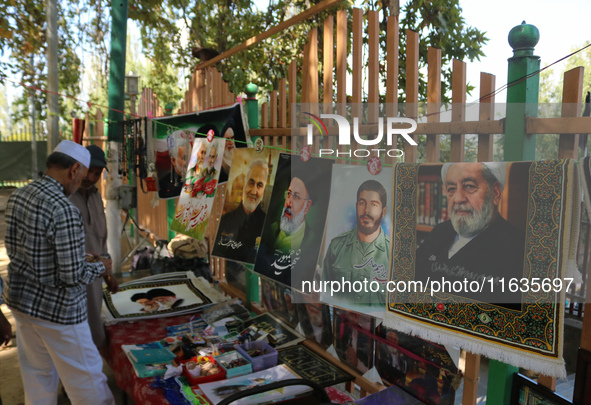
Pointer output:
x,y
251,90
523,38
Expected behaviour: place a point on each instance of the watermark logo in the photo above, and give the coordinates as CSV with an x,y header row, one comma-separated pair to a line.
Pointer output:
x,y
390,127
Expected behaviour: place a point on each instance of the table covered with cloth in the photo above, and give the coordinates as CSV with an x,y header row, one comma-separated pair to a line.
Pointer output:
x,y
133,333
147,331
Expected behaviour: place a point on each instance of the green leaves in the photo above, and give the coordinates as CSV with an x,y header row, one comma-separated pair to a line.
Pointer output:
x,y
440,25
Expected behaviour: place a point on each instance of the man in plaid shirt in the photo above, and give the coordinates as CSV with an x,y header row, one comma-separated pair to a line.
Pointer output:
x,y
46,288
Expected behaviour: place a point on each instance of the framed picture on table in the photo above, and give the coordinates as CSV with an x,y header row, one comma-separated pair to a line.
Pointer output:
x,y
582,393
529,392
155,299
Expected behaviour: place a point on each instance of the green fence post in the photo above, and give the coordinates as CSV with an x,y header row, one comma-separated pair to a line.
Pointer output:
x,y
522,97
116,98
522,102
252,112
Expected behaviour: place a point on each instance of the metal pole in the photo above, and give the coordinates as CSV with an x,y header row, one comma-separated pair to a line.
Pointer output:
x,y
134,211
53,136
115,134
35,169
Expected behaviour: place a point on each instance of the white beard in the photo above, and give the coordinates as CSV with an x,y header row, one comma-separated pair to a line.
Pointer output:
x,y
473,224
289,225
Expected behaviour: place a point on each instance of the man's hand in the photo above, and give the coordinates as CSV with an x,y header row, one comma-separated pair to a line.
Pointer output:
x,y
112,283
5,330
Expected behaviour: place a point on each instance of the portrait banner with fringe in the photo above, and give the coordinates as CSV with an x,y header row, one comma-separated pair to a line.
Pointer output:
x,y
482,255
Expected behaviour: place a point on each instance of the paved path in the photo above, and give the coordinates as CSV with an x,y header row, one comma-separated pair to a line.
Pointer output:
x,y
11,386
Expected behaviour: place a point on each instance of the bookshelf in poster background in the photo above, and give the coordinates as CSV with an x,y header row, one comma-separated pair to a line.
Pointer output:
x,y
432,208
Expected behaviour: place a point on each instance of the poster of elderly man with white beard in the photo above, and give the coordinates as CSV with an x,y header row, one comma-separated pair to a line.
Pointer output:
x,y
293,229
476,243
246,204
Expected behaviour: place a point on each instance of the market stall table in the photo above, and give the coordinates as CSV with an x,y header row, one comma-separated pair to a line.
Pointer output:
x,y
147,331
133,333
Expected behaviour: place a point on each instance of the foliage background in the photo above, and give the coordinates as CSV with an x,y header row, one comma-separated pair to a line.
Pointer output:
x,y
160,50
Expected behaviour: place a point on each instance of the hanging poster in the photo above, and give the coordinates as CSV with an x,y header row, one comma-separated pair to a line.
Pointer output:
x,y
248,193
173,142
289,310
196,201
504,255
356,253
315,320
294,225
272,299
424,369
353,339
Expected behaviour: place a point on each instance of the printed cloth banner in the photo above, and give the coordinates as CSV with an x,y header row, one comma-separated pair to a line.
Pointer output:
x,y
196,201
174,138
492,265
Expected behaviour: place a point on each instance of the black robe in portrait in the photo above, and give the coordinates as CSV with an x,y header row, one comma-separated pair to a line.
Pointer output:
x,y
497,251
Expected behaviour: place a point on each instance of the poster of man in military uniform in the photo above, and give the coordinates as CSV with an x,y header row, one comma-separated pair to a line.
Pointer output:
x,y
357,247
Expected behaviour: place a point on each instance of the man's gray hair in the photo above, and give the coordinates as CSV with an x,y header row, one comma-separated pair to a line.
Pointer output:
x,y
491,171
260,162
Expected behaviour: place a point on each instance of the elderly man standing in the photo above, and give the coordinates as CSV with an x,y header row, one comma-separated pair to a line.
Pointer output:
x,y
239,228
47,279
476,241
90,204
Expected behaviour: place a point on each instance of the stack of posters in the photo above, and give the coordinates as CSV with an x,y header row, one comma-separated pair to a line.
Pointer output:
x,y
420,367
316,322
280,301
162,295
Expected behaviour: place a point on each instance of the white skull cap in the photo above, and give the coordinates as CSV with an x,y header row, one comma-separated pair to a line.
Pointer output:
x,y
74,150
498,169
